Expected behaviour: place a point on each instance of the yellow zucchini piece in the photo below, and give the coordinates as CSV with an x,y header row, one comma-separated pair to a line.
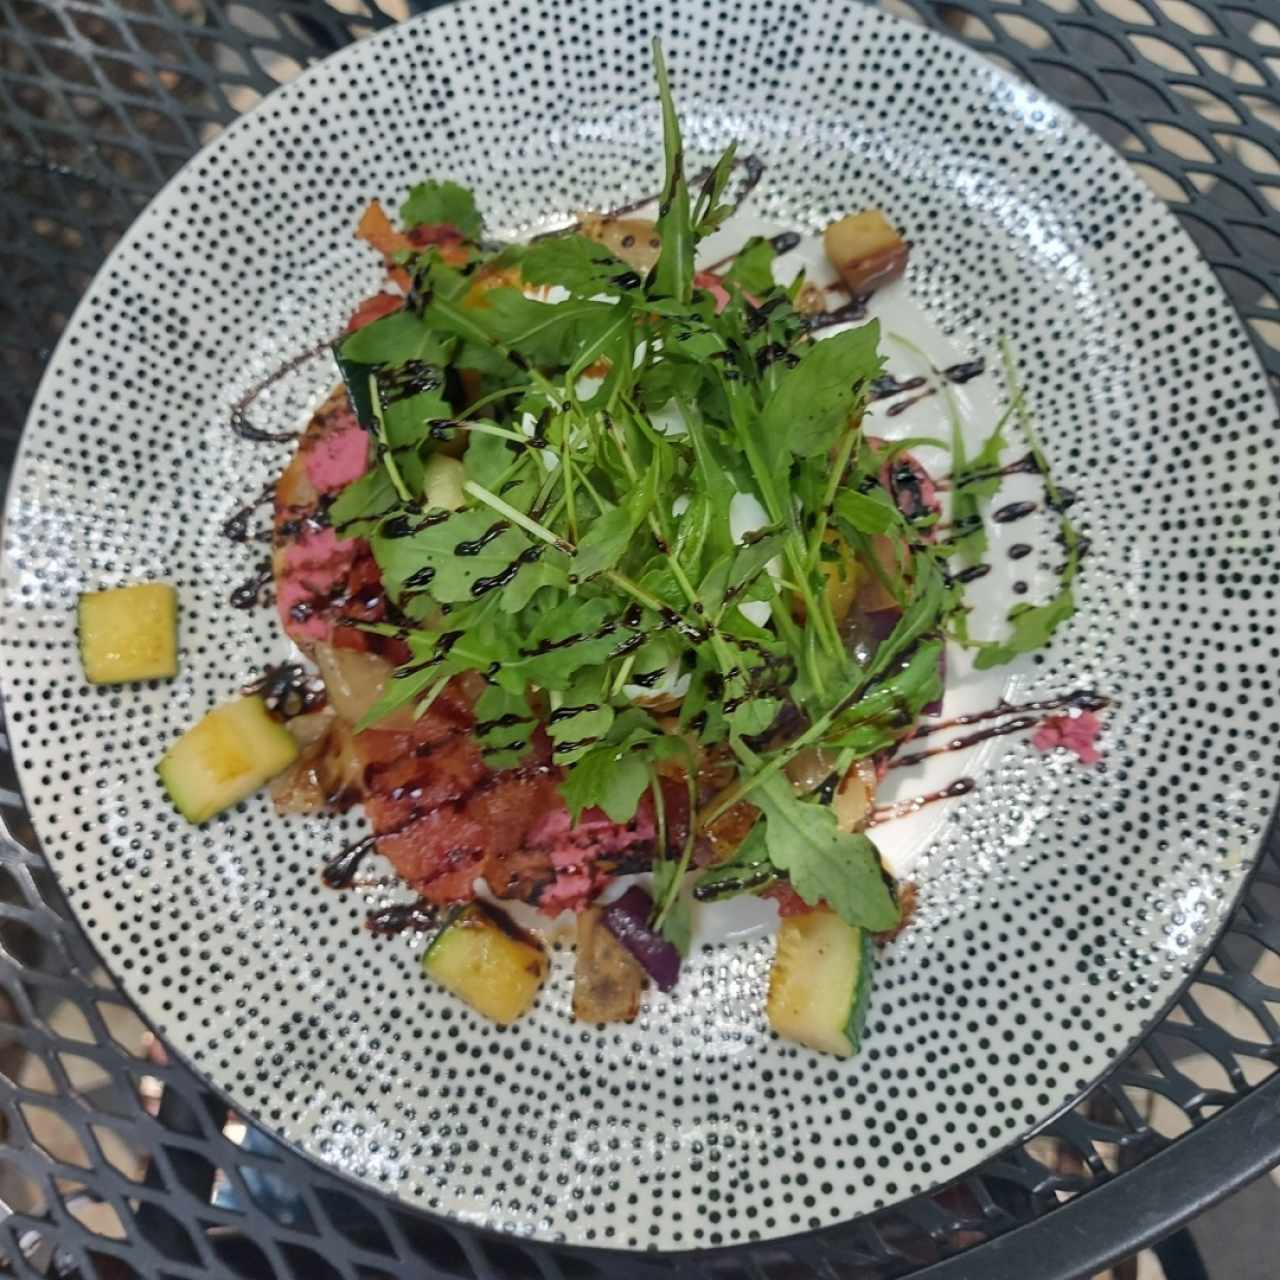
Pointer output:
x,y
129,633
226,757
485,960
820,984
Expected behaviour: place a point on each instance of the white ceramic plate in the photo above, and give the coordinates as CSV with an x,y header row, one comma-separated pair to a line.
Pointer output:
x,y
1060,907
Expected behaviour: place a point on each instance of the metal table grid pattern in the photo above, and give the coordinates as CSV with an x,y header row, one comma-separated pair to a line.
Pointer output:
x,y
115,1164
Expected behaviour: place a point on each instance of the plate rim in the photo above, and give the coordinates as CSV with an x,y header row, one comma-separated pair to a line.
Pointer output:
x,y
868,10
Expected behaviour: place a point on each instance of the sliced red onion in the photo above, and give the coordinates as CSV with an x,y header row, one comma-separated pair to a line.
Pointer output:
x,y
880,625
628,920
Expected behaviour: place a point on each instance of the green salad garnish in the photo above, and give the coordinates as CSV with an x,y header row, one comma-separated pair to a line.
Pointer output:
x,y
613,425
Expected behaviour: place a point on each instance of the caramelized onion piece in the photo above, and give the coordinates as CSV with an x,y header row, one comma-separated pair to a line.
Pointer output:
x,y
298,789
607,980
354,681
855,797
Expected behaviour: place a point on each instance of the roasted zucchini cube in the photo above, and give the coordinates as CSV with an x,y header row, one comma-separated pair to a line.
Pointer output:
x,y
820,984
226,757
129,633
484,959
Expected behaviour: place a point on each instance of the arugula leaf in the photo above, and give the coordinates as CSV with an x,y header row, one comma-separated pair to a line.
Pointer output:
x,y
677,923
752,269
432,203
395,339
1033,626
359,507
814,401
980,475
748,871
406,422
923,613
876,721
615,345
545,333
610,535
549,570
673,273
693,525
459,556
577,264
823,863
504,721
606,778
436,655
582,718
709,213
581,633
488,460
729,578
871,513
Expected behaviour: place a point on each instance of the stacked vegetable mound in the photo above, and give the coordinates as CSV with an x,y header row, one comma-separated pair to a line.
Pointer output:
x,y
656,598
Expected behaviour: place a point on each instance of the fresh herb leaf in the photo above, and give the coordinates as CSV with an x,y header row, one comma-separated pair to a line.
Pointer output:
x,y
582,718
545,333
576,634
504,723
405,421
710,211
1033,626
673,274
459,556
752,269
923,614
871,513
395,339
580,265
606,778
610,535
677,915
876,720
748,871
436,655
359,507
823,863
814,401
434,203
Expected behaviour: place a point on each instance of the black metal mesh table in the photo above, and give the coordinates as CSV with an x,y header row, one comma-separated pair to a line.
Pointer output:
x,y
114,1164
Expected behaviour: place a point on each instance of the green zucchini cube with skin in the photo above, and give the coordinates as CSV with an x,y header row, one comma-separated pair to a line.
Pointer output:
x,y
820,984
227,756
484,959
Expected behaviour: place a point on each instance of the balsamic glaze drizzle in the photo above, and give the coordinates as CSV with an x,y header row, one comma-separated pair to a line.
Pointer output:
x,y
240,423
905,808
901,406
1013,718
288,689
236,526
248,595
340,868
887,385
400,917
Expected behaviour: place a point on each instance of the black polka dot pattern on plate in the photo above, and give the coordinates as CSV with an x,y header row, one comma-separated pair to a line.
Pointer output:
x,y
1060,908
